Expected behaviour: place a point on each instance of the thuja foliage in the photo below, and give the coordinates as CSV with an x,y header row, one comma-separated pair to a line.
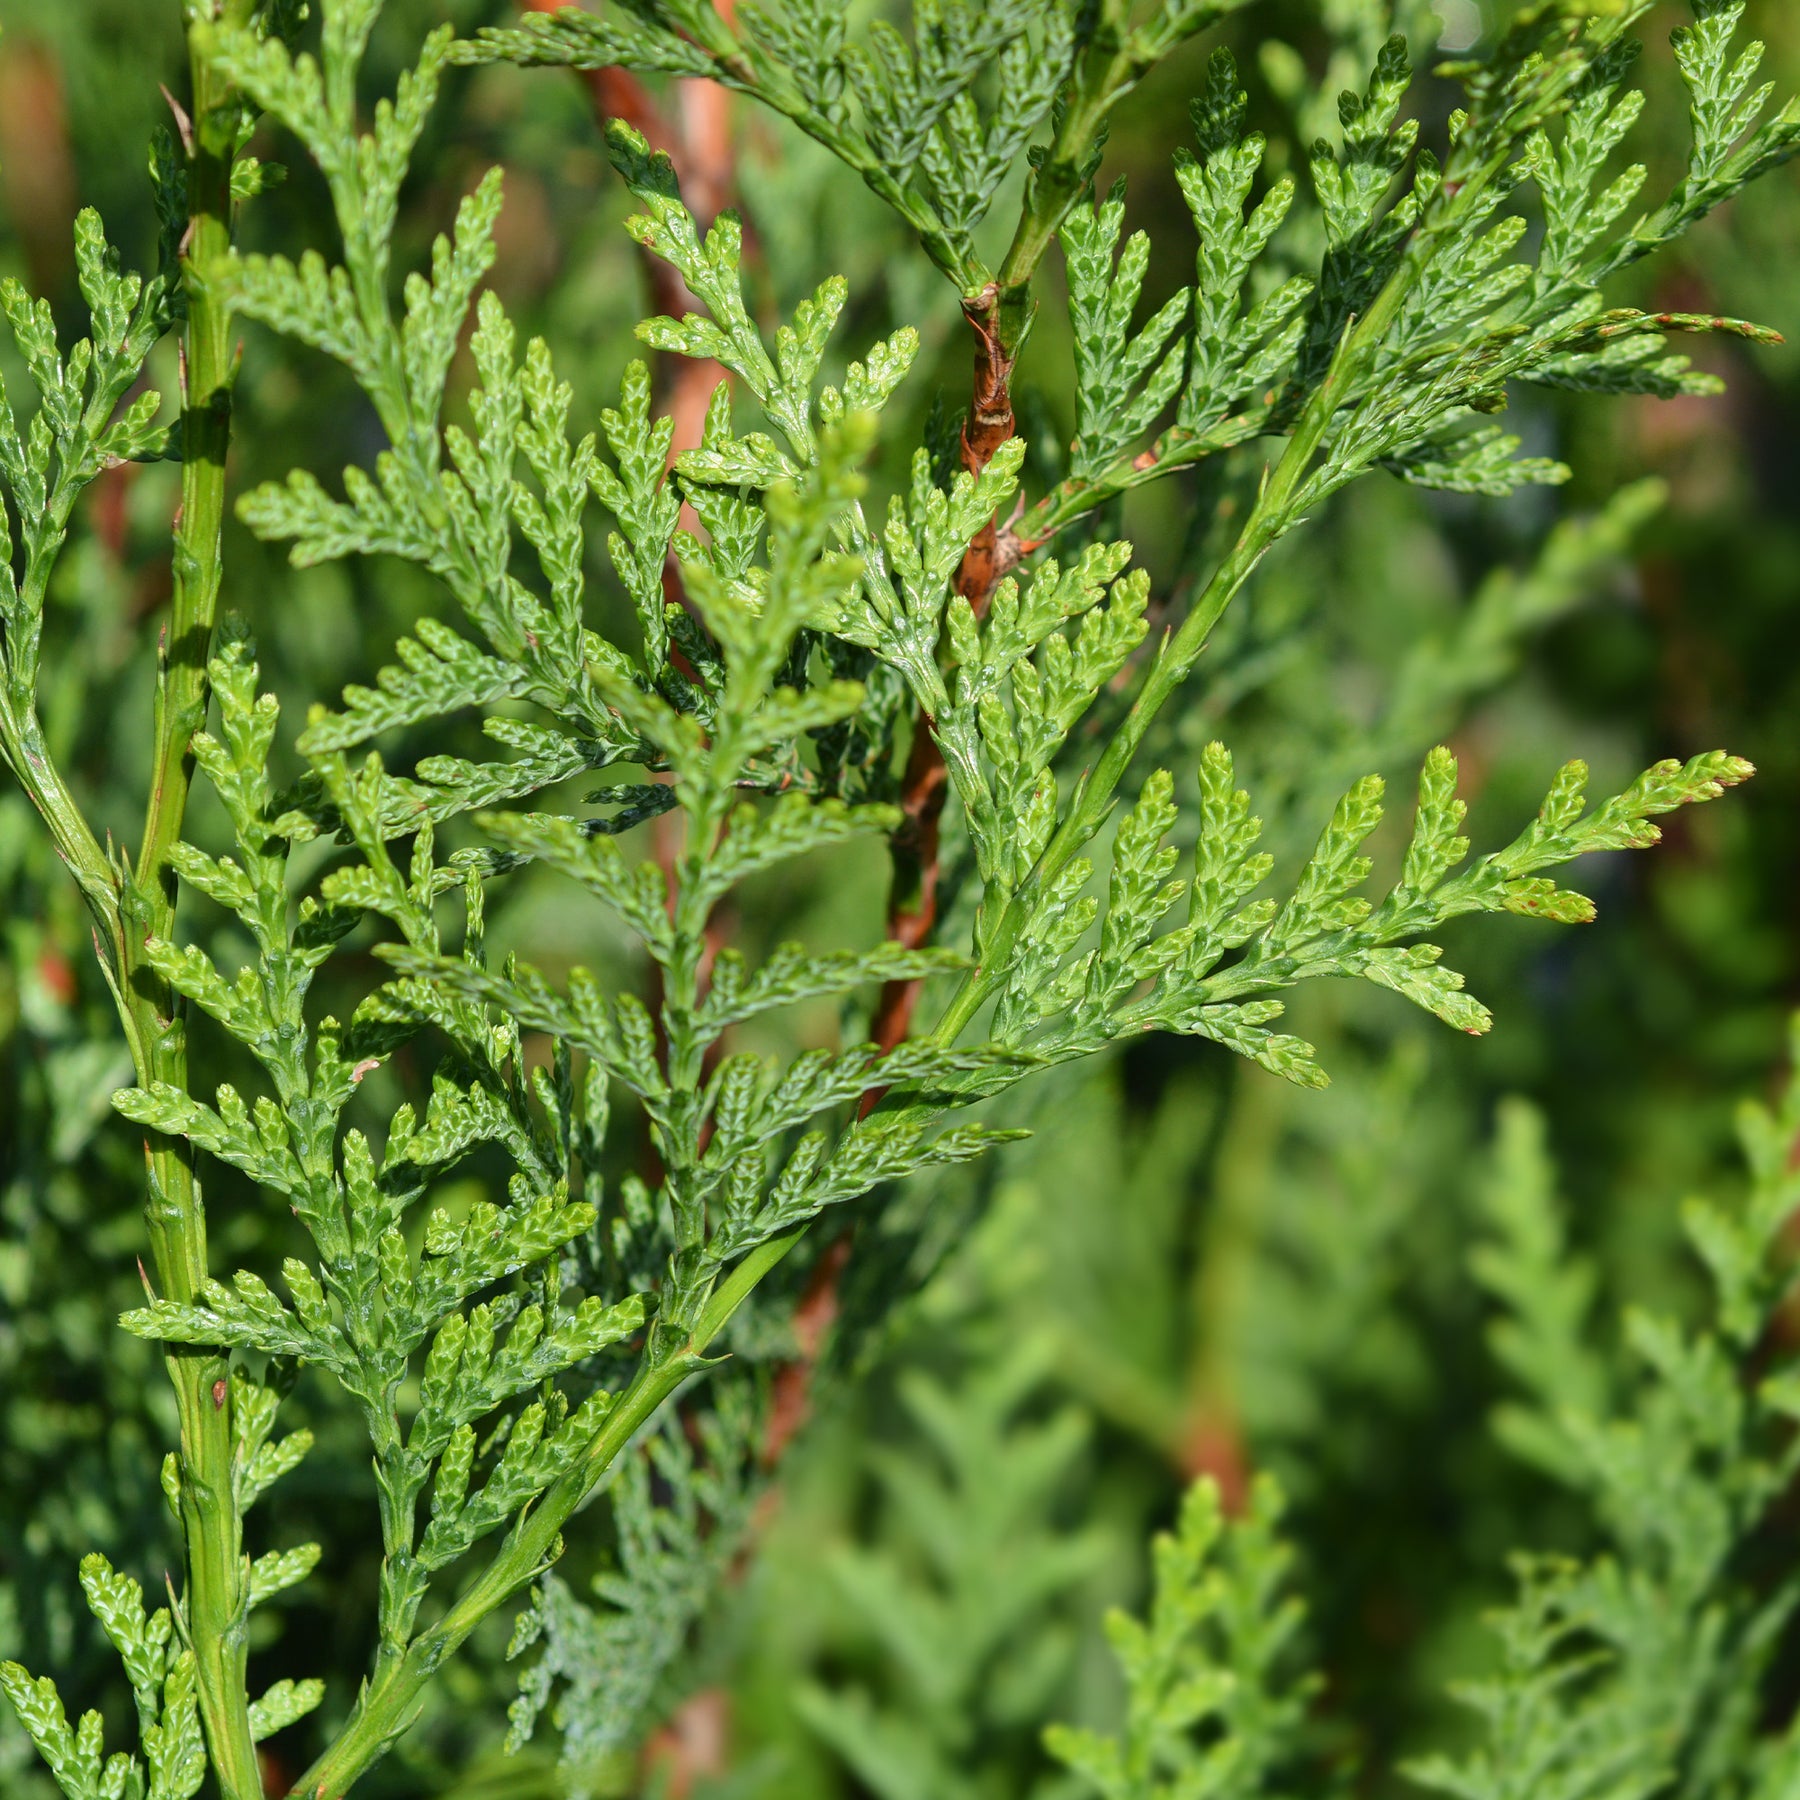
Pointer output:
x,y
806,664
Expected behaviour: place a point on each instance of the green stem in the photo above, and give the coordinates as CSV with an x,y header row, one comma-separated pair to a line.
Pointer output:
x,y
215,1605
24,751
390,1702
1109,67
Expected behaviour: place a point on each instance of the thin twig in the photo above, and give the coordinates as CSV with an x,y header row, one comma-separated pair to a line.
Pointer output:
x,y
697,140
913,900
692,1745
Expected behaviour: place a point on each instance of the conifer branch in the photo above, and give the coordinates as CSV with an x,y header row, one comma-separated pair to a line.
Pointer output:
x,y
506,1354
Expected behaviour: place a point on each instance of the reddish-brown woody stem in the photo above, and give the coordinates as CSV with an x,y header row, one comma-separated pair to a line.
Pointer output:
x,y
992,553
988,425
814,1317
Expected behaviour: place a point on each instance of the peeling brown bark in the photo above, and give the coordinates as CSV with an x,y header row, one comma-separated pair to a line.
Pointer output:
x,y
988,425
991,555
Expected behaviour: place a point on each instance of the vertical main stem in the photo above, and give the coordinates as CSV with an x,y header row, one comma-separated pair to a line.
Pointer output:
x,y
215,1603
1000,315
913,897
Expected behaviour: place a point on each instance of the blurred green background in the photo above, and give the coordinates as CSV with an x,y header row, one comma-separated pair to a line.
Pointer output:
x,y
1190,1266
